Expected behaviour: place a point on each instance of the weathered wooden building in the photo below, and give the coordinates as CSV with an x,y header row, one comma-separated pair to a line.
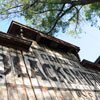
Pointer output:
x,y
34,66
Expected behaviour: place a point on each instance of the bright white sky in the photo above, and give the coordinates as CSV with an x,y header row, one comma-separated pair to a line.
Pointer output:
x,y
88,42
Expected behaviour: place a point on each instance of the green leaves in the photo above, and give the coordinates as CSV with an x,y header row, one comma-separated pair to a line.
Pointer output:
x,y
92,14
50,16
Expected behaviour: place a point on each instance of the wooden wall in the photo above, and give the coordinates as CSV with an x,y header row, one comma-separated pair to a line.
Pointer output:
x,y
45,74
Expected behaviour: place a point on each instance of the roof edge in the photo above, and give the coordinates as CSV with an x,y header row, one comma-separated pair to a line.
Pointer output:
x,y
59,41
14,42
90,65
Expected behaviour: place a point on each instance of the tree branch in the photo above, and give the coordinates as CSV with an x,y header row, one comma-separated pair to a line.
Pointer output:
x,y
49,10
77,17
73,2
9,13
59,17
17,6
61,10
71,18
30,5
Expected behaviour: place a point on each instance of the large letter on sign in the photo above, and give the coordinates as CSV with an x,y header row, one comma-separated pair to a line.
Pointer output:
x,y
5,61
49,71
35,69
16,62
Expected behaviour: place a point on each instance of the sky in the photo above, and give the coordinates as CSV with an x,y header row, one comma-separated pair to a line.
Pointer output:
x,y
88,41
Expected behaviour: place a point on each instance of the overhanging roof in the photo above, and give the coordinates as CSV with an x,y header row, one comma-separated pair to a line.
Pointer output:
x,y
40,37
29,33
97,60
14,42
90,65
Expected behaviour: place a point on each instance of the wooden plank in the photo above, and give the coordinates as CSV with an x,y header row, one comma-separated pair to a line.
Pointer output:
x,y
53,84
33,79
58,55
85,78
63,66
82,94
79,95
3,88
14,42
10,79
35,72
60,82
26,80
78,86
18,78
64,84
52,90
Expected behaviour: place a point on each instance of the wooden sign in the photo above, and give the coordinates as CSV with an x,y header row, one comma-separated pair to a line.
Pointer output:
x,y
44,74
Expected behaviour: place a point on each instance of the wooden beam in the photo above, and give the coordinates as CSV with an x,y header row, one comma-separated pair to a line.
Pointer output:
x,y
14,42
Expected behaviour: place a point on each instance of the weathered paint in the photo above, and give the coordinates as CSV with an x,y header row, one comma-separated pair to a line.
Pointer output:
x,y
45,74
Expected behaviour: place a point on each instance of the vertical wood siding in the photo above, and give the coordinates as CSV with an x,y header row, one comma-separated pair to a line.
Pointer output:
x,y
45,74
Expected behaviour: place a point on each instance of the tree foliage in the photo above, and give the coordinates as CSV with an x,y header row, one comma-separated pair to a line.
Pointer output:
x,y
49,16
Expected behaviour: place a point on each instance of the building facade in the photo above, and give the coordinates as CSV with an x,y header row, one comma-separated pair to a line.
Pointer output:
x,y
34,66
